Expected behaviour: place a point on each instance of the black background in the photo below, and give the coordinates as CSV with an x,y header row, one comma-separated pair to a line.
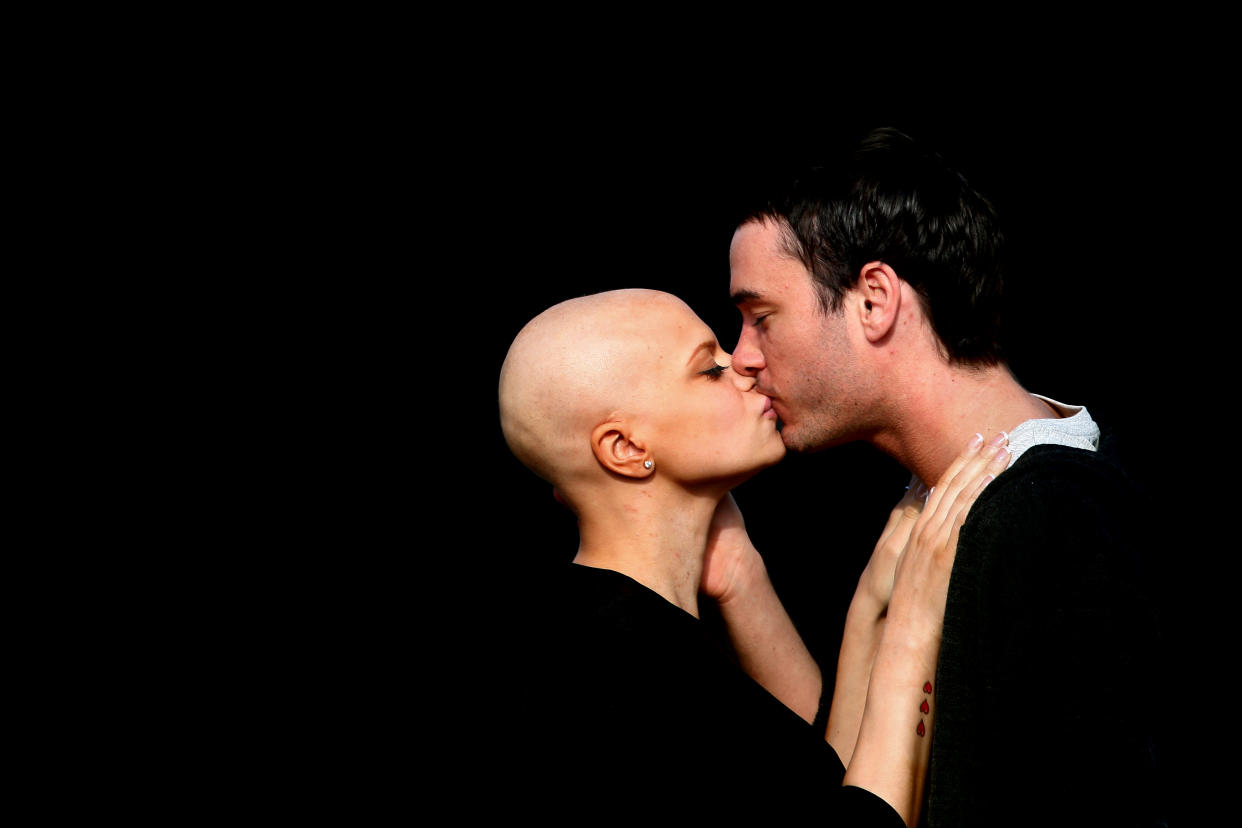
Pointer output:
x,y
384,225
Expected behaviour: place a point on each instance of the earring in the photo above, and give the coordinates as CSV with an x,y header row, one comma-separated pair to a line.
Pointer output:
x,y
647,464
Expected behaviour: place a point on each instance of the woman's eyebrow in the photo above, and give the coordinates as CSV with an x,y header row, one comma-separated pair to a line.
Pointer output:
x,y
708,345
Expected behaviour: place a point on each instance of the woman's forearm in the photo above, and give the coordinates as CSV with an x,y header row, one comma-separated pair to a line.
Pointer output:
x,y
768,645
893,748
864,624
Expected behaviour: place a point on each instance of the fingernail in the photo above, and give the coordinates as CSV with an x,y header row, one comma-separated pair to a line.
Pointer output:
x,y
999,440
975,441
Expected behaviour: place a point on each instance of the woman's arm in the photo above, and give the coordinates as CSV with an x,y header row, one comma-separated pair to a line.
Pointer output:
x,y
894,740
864,624
764,637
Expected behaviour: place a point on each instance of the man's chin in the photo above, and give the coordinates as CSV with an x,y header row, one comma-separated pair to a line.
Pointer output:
x,y
795,440
789,437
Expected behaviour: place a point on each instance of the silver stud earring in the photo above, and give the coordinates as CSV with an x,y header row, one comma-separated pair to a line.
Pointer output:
x,y
647,464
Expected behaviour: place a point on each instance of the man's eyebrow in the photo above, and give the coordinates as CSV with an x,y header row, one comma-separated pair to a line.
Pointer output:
x,y
741,296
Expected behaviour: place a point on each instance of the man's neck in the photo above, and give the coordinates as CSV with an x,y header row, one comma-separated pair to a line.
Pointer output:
x,y
949,405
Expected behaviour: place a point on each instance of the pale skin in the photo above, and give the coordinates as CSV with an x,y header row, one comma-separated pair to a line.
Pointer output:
x,y
643,432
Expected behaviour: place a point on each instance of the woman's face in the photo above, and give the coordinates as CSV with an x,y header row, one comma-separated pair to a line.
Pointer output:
x,y
704,423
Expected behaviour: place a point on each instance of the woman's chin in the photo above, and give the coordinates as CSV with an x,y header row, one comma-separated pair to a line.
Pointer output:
x,y
776,456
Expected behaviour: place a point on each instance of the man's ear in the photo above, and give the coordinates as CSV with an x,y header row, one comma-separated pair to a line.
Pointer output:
x,y
879,300
617,449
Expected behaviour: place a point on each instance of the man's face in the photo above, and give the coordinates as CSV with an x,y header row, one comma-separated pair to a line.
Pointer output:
x,y
801,356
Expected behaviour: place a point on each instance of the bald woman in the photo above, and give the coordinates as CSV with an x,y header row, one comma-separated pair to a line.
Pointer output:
x,y
625,403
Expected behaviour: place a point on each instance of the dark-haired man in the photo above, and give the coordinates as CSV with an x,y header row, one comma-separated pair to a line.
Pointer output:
x,y
870,300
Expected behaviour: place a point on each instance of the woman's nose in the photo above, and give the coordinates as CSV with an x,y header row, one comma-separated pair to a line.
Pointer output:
x,y
743,382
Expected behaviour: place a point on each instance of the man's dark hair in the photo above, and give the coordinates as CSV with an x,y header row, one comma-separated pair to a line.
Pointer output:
x,y
901,204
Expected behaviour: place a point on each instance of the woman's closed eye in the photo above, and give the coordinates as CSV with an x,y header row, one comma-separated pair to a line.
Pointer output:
x,y
714,372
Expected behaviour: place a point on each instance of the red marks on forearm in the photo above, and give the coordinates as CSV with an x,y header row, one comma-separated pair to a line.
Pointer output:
x,y
924,708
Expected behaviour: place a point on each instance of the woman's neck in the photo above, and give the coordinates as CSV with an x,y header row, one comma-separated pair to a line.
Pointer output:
x,y
656,537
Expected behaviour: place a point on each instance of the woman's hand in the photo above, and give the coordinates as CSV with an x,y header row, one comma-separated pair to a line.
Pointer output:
x,y
731,559
922,572
875,585
893,747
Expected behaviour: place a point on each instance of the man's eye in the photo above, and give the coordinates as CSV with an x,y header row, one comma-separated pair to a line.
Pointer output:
x,y
760,319
714,373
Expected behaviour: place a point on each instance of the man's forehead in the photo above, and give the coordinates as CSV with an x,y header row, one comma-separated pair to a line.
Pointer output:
x,y
761,270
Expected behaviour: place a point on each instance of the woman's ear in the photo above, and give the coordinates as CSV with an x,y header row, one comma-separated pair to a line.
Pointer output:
x,y
879,300
618,450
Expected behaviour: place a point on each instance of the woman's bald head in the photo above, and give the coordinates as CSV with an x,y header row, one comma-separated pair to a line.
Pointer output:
x,y
565,373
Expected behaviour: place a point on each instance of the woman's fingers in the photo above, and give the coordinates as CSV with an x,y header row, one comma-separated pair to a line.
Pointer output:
x,y
968,455
904,513
932,543
966,467
965,479
877,577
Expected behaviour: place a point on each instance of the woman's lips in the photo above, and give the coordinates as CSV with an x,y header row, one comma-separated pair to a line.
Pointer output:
x,y
768,410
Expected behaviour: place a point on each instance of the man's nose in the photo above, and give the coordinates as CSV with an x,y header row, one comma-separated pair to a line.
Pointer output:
x,y
747,358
